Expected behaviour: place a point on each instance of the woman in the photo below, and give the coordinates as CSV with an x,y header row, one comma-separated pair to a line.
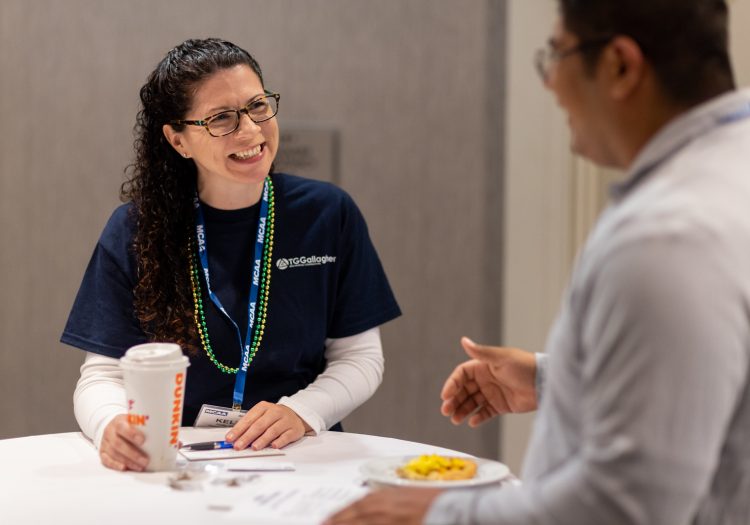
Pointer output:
x,y
269,282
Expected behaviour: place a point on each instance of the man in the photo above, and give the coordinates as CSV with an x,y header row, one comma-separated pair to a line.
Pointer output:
x,y
644,400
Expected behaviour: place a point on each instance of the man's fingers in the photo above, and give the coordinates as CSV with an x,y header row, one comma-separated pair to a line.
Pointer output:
x,y
483,414
456,396
448,407
461,375
468,407
450,387
406,506
452,405
462,378
461,394
354,513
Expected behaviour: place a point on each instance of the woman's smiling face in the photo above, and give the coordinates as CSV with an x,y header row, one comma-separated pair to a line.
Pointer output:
x,y
237,162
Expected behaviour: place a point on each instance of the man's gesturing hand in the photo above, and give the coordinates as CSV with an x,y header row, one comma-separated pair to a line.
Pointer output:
x,y
496,381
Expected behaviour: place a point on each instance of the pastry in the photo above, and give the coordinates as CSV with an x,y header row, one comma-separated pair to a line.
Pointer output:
x,y
433,467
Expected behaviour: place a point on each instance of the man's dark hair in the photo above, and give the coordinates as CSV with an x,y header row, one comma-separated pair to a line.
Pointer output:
x,y
685,41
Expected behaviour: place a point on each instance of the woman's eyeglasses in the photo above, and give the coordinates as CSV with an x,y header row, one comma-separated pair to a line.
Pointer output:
x,y
226,122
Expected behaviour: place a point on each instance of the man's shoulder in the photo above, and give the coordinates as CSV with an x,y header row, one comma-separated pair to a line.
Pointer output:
x,y
700,194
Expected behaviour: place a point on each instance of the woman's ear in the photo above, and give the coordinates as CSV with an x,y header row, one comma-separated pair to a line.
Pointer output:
x,y
175,139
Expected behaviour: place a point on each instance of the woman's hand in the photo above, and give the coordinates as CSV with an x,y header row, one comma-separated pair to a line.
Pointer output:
x,y
267,424
120,446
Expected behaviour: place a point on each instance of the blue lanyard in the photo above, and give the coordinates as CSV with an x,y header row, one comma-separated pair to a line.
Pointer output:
x,y
200,235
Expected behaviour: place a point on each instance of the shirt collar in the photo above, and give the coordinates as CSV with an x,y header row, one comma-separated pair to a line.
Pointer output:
x,y
682,130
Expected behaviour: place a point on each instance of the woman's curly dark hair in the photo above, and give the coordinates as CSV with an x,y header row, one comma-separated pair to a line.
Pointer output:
x,y
161,186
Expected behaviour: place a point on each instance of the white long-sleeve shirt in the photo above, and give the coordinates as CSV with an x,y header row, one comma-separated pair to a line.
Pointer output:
x,y
645,413
353,372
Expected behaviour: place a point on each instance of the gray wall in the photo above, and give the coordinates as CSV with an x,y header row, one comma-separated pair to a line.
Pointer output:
x,y
414,88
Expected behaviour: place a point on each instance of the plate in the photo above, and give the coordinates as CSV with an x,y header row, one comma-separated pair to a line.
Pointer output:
x,y
383,471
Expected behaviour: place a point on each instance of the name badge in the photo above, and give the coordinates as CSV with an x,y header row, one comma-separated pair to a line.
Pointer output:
x,y
215,416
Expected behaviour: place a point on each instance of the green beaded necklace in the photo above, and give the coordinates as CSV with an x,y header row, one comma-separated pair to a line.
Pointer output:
x,y
265,284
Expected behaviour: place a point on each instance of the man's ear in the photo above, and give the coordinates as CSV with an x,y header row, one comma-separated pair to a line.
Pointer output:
x,y
175,139
624,66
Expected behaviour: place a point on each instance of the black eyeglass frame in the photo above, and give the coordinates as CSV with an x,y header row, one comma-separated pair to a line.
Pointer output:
x,y
246,110
545,56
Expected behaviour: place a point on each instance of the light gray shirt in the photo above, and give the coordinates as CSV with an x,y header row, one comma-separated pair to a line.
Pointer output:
x,y
645,413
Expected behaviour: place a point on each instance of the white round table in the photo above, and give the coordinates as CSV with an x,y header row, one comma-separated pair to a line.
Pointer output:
x,y
58,478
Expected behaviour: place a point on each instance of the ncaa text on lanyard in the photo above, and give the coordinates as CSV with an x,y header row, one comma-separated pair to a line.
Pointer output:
x,y
200,233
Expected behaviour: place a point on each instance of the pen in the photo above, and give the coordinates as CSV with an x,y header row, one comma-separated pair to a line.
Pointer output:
x,y
208,445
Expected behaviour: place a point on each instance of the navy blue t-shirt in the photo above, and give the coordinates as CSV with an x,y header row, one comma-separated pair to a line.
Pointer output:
x,y
326,282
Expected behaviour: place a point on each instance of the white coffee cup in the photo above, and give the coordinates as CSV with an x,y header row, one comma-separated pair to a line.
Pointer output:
x,y
155,379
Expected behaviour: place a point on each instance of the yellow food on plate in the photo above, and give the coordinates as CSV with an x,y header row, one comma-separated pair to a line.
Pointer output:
x,y
433,467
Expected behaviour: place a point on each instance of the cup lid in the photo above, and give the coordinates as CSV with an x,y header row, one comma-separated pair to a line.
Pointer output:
x,y
154,355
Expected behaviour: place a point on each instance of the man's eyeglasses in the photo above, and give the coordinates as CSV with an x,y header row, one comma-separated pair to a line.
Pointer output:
x,y
546,56
225,122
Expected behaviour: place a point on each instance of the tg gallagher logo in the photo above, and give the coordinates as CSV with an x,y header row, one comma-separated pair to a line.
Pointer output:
x,y
296,262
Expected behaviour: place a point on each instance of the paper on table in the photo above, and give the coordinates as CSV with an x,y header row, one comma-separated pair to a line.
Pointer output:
x,y
290,503
228,453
